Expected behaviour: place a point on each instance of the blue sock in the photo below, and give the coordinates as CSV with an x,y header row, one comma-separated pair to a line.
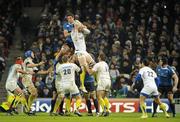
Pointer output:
x,y
96,105
88,103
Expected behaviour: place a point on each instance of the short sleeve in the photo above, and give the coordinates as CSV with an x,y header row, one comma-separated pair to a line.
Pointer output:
x,y
77,69
65,26
95,67
171,71
141,72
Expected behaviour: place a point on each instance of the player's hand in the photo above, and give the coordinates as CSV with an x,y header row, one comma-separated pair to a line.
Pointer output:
x,y
50,70
31,73
174,89
41,63
132,87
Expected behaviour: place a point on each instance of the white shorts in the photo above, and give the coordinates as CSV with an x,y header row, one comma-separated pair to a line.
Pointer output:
x,y
149,91
67,88
84,58
11,86
104,85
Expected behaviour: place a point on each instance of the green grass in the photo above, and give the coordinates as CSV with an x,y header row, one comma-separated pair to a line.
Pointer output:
x,y
115,117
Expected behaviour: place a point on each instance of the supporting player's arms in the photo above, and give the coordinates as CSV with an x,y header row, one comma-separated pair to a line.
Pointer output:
x,y
138,78
90,71
66,33
85,30
23,72
157,81
29,65
175,79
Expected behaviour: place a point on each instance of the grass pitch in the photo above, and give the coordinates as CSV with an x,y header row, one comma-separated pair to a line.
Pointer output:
x,y
114,117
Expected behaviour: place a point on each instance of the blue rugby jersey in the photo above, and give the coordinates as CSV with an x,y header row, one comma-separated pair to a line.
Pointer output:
x,y
67,26
165,75
89,78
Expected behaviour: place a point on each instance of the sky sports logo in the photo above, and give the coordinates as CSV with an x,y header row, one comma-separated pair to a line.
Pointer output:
x,y
117,105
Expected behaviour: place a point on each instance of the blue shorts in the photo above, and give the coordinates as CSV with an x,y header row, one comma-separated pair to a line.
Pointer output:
x,y
89,86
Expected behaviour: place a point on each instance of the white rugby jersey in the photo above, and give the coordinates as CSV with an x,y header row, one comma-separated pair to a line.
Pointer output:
x,y
13,75
148,76
27,69
78,39
66,72
102,71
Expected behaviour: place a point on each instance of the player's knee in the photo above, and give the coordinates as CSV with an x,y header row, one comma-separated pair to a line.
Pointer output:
x,y
93,95
34,92
60,96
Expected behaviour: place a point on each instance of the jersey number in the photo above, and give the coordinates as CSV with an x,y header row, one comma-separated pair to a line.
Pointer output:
x,y
150,74
67,71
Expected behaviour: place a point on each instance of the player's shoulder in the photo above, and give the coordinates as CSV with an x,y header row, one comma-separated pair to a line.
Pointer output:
x,y
66,25
73,64
145,68
17,65
28,60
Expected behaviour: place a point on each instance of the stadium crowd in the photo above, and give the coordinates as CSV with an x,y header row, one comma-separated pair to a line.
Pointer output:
x,y
126,31
10,11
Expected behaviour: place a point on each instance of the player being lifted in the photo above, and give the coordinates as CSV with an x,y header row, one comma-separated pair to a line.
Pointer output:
x,y
150,79
30,66
78,37
65,83
12,85
68,26
103,82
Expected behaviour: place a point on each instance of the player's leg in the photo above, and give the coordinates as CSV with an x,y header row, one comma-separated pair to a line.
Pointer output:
x,y
59,98
172,103
94,97
101,101
15,103
61,107
78,101
67,105
107,85
18,92
82,62
33,94
161,105
107,104
101,95
161,91
87,97
88,103
142,105
74,91
53,101
7,106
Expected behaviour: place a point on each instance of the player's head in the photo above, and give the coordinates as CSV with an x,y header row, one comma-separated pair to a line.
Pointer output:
x,y
159,62
164,60
102,57
70,17
18,60
66,49
65,58
145,62
29,53
152,62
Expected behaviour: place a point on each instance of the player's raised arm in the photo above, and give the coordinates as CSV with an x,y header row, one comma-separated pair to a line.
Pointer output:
x,y
90,71
29,65
66,33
